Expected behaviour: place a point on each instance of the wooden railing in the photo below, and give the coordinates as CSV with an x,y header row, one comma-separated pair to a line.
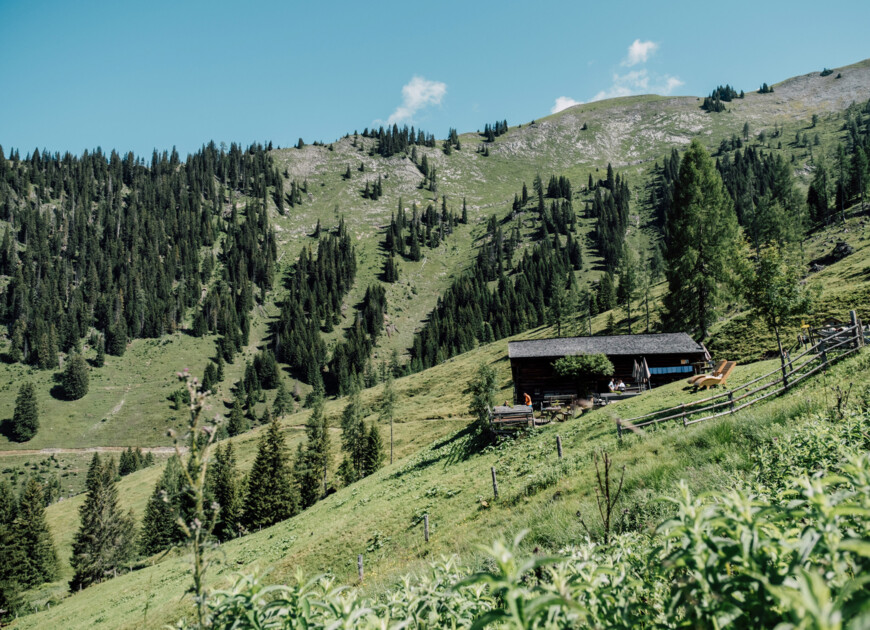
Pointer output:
x,y
792,371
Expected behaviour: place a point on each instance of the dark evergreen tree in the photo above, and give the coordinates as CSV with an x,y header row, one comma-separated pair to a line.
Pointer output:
x,y
354,439
283,400
100,359
224,488
11,553
104,542
271,494
704,233
313,460
39,558
374,451
25,418
237,422
75,377
160,523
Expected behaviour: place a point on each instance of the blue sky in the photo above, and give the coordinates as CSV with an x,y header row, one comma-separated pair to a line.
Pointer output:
x,y
144,75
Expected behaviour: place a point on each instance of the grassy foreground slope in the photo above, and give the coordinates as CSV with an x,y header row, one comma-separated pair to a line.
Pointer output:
x,y
380,516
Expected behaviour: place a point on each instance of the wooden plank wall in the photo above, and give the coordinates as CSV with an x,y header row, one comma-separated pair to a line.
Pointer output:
x,y
536,376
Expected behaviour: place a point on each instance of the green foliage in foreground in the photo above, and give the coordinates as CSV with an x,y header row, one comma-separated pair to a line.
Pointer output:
x,y
789,547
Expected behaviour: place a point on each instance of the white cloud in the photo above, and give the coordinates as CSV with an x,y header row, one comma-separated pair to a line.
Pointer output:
x,y
564,102
638,82
639,52
672,84
417,94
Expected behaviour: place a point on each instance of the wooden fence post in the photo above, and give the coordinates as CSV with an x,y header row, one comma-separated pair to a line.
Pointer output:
x,y
619,428
559,445
731,400
683,407
859,334
494,483
784,369
359,565
426,527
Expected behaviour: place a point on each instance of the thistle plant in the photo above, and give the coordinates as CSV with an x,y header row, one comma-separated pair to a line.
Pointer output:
x,y
200,519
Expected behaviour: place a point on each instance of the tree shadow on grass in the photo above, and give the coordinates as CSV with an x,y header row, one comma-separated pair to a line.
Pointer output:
x,y
58,392
7,432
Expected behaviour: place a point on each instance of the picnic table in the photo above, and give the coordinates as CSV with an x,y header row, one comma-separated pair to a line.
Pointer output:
x,y
556,412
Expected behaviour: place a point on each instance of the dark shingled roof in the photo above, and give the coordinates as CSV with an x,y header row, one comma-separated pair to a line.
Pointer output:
x,y
611,345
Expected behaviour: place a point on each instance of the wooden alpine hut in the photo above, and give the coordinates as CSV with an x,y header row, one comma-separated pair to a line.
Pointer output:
x,y
666,356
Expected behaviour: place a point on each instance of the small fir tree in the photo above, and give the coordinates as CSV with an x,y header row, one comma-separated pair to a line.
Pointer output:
x,y
160,522
283,400
374,453
238,423
271,496
314,459
104,542
388,406
223,486
25,418
75,377
39,558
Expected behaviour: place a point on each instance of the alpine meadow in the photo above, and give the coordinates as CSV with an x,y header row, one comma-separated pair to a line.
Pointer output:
x,y
603,368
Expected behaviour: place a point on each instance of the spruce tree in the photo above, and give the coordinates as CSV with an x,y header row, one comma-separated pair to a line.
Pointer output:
x,y
353,435
39,558
25,418
312,462
100,359
628,284
11,553
388,407
104,542
237,422
223,487
75,377
271,496
374,451
283,400
160,529
701,255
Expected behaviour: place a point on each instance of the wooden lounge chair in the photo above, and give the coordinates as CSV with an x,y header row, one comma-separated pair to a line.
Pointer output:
x,y
709,381
716,372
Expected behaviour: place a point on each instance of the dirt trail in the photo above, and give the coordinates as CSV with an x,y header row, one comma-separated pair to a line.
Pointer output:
x,y
157,450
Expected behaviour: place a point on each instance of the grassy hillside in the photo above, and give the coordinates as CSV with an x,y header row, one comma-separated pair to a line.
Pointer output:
x,y
380,516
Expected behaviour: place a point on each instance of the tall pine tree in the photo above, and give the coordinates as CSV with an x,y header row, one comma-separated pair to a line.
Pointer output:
x,y
160,529
104,542
271,496
39,558
223,487
314,459
701,254
25,418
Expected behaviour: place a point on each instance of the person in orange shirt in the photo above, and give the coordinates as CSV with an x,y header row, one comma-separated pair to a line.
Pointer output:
x,y
527,399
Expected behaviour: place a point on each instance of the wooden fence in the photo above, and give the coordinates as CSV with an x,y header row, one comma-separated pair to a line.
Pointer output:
x,y
793,370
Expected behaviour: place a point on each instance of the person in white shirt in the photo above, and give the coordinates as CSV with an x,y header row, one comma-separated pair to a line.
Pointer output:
x,y
611,385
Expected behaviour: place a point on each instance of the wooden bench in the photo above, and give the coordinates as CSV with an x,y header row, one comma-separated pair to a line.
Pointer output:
x,y
519,415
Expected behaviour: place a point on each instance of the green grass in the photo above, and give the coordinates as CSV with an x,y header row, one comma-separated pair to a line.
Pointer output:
x,y
379,515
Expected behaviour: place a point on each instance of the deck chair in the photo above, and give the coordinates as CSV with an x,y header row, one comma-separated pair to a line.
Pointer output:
x,y
717,370
709,381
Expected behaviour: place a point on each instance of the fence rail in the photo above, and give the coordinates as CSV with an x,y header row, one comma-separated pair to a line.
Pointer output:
x,y
825,352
